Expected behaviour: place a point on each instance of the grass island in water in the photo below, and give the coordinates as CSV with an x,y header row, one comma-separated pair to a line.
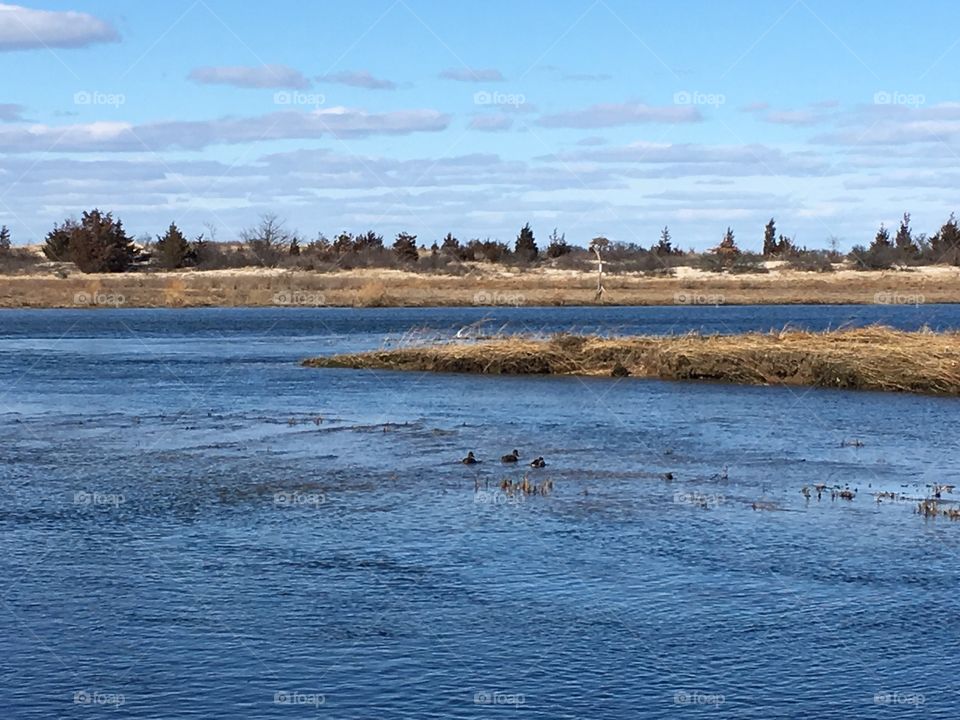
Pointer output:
x,y
873,358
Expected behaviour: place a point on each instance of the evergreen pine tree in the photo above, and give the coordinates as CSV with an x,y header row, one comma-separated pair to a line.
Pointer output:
x,y
664,246
56,246
100,244
728,246
450,246
173,249
558,245
770,246
526,245
904,241
405,247
882,238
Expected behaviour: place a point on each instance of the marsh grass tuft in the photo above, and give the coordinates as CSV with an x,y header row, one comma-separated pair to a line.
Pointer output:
x,y
872,358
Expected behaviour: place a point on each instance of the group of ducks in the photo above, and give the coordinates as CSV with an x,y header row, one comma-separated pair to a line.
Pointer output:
x,y
930,507
836,491
511,457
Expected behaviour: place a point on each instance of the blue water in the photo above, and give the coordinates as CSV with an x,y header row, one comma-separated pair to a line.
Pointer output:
x,y
193,525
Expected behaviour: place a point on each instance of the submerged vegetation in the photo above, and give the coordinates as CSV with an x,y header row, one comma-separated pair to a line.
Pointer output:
x,y
874,358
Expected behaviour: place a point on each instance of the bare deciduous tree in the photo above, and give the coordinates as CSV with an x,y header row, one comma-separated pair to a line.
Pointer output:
x,y
269,241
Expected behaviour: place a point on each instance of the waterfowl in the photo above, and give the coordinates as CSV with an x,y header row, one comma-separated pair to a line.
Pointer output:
x,y
470,459
723,476
539,462
510,457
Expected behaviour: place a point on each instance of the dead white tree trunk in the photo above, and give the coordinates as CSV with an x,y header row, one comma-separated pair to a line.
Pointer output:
x,y
600,290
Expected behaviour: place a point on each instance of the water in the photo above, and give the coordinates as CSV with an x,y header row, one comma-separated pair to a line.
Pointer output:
x,y
193,525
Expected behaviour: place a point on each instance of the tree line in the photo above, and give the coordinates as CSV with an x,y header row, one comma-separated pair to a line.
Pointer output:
x,y
98,242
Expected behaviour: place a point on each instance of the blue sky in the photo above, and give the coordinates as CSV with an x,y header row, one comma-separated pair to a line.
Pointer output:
x,y
595,117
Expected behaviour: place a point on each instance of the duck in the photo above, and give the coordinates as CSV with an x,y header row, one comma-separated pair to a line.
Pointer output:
x,y
539,462
470,459
511,457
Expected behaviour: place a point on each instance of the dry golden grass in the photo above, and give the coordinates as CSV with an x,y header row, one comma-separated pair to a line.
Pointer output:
x,y
483,285
875,358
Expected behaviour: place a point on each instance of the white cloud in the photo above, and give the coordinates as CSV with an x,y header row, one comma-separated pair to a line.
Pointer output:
x,y
793,117
264,76
897,125
697,160
24,28
472,75
613,114
11,112
196,135
358,78
491,123
754,107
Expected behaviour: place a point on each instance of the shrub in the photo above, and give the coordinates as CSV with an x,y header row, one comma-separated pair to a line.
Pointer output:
x,y
810,261
744,263
100,244
18,259
878,256
558,246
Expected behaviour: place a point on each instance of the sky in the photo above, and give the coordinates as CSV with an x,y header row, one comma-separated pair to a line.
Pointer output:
x,y
595,117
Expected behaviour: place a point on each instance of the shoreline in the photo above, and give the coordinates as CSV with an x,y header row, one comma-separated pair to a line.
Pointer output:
x,y
480,286
872,358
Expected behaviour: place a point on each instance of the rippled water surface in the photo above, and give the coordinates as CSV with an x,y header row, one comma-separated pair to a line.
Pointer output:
x,y
193,525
